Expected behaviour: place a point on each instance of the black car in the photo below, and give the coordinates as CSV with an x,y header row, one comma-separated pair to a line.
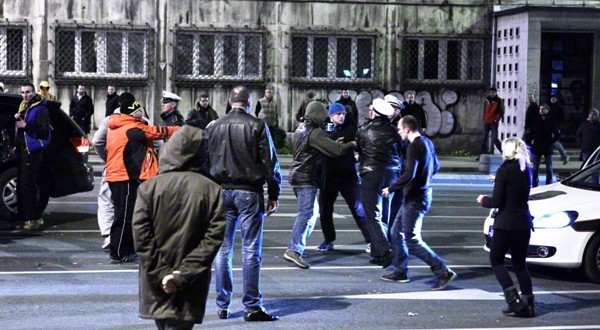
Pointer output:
x,y
64,170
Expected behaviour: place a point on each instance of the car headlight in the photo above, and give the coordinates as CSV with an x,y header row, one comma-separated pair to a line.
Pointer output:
x,y
555,220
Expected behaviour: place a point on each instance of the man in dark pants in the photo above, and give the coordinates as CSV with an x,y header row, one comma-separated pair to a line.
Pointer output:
x,y
32,123
340,177
242,159
542,136
412,108
378,144
81,109
421,165
493,110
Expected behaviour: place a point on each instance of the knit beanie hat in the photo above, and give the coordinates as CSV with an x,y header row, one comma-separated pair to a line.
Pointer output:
x,y
335,108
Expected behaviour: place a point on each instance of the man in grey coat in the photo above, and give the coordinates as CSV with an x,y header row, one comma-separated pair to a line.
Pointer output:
x,y
178,227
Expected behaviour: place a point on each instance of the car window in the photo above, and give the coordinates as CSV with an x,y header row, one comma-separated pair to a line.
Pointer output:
x,y
586,179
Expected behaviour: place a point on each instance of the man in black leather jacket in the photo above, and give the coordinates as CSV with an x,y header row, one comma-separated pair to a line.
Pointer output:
x,y
380,163
242,158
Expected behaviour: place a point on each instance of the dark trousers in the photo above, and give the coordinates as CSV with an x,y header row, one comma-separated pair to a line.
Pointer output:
x,y
165,324
377,208
27,193
535,180
121,235
348,186
492,130
517,241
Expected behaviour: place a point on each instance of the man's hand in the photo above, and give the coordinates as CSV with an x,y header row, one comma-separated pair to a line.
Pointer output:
x,y
480,198
385,193
272,206
169,284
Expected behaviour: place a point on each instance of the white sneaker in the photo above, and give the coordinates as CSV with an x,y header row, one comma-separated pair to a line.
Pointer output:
x,y
106,243
368,248
33,224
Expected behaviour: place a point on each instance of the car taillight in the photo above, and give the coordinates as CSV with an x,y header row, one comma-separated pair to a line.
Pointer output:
x,y
81,144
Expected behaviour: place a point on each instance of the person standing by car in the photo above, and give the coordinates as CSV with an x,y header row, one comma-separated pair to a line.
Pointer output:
x,y
512,225
81,109
588,135
180,213
32,124
130,160
242,159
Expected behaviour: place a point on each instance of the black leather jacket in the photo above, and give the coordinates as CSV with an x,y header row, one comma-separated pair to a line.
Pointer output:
x,y
242,154
378,145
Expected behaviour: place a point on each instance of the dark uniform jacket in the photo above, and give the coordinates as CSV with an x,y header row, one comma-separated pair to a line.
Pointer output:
x,y
378,145
172,119
200,117
542,135
510,197
178,225
242,154
81,110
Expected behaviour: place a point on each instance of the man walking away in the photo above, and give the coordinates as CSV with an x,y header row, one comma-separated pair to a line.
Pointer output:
x,y
242,158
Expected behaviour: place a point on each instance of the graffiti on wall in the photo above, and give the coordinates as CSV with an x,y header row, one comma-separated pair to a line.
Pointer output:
x,y
441,121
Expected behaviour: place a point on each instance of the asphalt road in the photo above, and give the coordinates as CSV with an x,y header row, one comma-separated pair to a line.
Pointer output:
x,y
59,278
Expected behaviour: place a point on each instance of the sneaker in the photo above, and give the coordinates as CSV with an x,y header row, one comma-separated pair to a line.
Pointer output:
x,y
223,314
565,161
128,259
396,277
106,243
296,258
368,248
325,246
259,315
33,224
444,279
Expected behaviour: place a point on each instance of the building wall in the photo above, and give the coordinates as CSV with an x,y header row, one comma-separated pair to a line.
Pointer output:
x,y
454,124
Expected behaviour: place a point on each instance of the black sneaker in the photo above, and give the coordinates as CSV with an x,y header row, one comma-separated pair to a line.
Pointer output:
x,y
444,279
325,246
223,314
128,259
259,315
296,258
396,277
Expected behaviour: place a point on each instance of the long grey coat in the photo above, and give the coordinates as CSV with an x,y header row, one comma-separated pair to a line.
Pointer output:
x,y
178,225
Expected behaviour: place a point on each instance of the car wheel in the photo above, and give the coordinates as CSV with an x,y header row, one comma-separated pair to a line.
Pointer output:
x,y
591,260
8,195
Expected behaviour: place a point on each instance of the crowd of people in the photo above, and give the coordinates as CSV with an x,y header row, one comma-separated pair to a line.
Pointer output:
x,y
173,196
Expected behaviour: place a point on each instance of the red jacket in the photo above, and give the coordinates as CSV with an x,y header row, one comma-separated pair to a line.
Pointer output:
x,y
493,110
130,153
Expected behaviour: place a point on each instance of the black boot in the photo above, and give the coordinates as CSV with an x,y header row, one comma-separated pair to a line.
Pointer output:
x,y
511,295
527,309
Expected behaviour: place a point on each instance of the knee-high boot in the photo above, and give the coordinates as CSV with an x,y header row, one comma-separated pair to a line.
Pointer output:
x,y
527,309
511,295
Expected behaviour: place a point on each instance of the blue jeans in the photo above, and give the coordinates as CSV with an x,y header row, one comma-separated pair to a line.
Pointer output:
x,y
306,218
406,237
490,129
246,208
536,169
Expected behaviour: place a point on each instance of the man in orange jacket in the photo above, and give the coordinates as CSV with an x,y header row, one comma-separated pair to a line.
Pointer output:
x,y
130,160
492,114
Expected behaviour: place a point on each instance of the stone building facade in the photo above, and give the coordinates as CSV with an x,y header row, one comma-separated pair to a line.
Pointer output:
x,y
444,50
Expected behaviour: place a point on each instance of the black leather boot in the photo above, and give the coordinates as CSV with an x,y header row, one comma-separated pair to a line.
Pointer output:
x,y
527,309
511,295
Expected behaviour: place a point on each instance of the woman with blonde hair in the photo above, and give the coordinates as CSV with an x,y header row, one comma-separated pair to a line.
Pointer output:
x,y
512,225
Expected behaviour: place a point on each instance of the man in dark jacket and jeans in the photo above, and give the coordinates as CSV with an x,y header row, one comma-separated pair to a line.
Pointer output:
x,y
311,147
178,226
542,136
242,158
380,164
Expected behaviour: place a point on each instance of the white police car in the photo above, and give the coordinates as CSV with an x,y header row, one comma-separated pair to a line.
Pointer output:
x,y
566,222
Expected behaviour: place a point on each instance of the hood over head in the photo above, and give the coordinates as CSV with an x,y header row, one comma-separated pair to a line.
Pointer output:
x,y
185,151
316,113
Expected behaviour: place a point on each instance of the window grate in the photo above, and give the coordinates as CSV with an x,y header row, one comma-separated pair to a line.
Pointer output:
x,y
103,54
218,56
14,52
332,59
442,61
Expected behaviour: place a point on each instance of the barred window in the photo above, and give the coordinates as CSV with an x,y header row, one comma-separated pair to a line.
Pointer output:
x,y
318,58
439,61
218,56
14,51
102,53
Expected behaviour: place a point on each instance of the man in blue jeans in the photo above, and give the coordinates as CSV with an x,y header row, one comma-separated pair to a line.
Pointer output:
x,y
242,158
312,146
421,165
